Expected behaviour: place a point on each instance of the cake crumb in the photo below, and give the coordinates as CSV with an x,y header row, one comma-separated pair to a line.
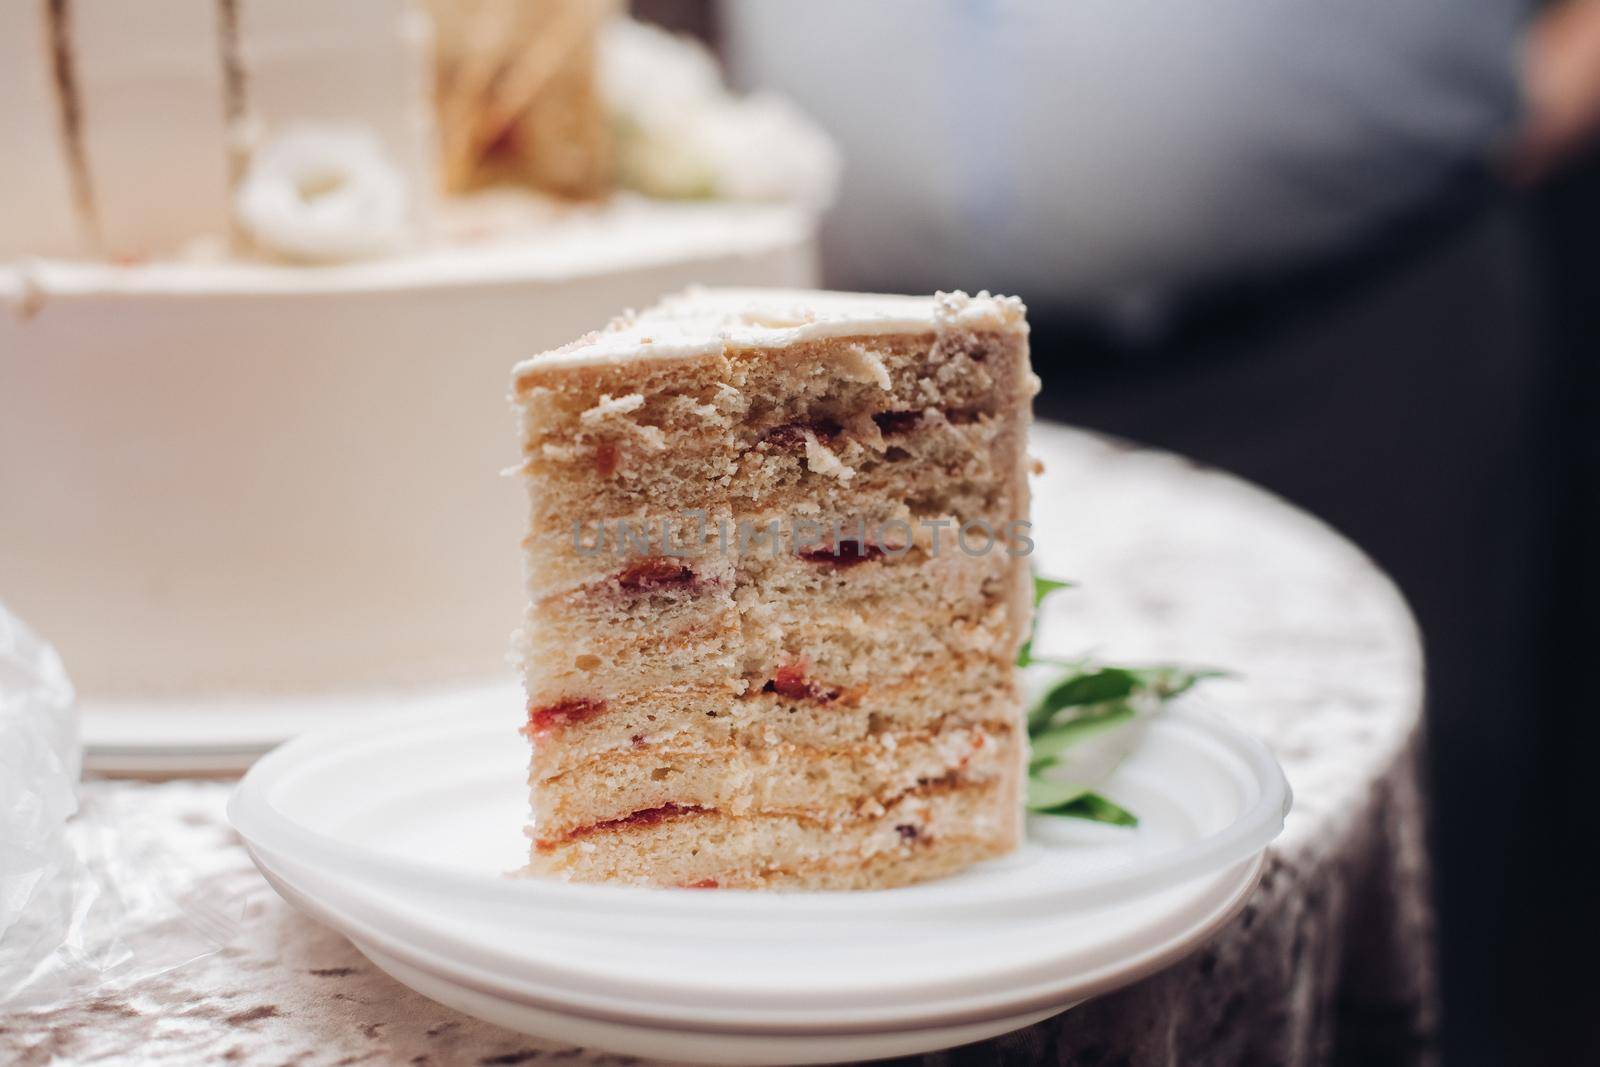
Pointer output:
x,y
861,364
610,407
821,460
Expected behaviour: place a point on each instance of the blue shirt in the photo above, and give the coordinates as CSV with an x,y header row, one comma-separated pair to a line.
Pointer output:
x,y
1077,150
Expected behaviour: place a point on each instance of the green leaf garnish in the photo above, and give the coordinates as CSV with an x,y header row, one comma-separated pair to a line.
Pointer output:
x,y
1091,699
1048,744
1167,682
1096,808
1086,686
1046,795
1090,685
1042,587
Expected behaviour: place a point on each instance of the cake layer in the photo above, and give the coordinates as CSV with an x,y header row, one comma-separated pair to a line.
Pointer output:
x,y
629,458
732,394
658,608
645,628
614,458
930,472
851,781
846,649
840,649
910,455
935,830
846,567
885,532
788,709
608,637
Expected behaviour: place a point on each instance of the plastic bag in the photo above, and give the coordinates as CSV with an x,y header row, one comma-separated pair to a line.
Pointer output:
x,y
39,762
98,897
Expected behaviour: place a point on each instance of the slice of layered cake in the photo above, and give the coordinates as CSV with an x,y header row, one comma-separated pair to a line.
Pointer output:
x,y
778,581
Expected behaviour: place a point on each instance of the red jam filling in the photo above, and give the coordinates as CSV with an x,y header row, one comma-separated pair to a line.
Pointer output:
x,y
790,681
644,817
556,716
847,554
656,572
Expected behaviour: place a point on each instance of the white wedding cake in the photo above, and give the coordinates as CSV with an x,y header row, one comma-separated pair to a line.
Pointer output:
x,y
260,293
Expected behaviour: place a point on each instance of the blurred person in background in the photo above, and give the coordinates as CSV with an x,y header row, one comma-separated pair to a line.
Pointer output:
x,y
1287,237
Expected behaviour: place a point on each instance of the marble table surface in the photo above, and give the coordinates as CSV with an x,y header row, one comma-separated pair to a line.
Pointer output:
x,y
197,961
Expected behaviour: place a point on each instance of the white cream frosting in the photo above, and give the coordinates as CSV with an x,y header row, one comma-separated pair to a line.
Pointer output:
x,y
699,321
493,239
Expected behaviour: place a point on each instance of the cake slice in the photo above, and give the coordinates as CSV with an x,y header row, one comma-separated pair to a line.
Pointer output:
x,y
777,577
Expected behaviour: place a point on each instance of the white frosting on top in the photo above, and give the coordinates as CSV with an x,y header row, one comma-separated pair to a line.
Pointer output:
x,y
698,322
504,238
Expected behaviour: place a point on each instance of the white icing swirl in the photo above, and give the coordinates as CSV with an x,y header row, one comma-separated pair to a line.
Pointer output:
x,y
323,194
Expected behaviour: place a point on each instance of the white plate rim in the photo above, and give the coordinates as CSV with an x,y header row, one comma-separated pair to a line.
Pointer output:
x,y
1041,996
495,964
711,1047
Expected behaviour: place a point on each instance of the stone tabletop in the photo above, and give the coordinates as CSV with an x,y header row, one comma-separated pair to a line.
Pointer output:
x,y
1331,957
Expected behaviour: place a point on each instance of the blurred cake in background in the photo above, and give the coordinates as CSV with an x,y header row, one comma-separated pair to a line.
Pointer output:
x,y
263,267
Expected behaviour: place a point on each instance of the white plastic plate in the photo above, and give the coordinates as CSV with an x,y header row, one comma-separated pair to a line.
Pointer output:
x,y
437,805
402,837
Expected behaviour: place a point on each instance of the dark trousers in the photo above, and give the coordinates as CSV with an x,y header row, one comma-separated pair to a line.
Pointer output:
x,y
1422,394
